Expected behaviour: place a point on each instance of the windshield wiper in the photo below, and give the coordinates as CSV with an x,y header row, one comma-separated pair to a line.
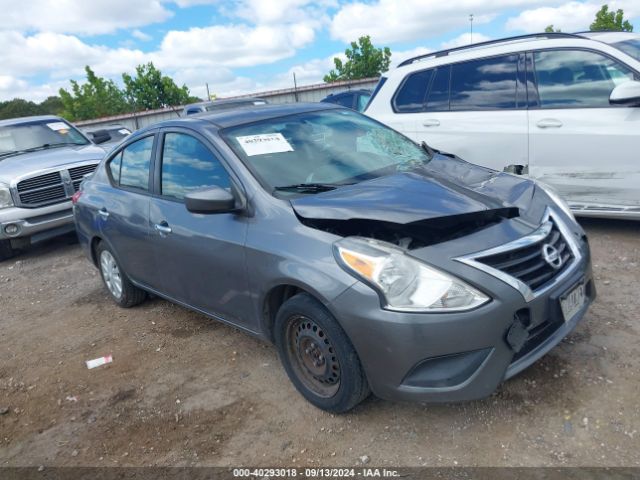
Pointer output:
x,y
39,147
310,187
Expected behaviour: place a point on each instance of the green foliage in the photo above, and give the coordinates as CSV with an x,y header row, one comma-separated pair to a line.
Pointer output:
x,y
552,29
19,107
97,97
363,61
149,89
614,21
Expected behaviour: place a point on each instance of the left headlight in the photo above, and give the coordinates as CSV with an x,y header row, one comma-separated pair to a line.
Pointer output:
x,y
553,194
405,283
5,197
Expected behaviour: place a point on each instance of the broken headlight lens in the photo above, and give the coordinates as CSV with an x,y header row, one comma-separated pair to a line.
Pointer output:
x,y
5,197
553,194
405,283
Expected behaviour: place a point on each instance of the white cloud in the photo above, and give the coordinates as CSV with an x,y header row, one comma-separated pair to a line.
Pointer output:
x,y
465,39
80,16
140,35
570,17
387,21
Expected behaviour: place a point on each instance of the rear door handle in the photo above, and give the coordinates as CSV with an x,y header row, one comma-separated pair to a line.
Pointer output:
x,y
103,213
549,123
431,123
163,228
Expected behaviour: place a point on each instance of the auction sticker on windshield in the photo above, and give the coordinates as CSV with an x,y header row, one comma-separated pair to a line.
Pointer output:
x,y
264,143
57,126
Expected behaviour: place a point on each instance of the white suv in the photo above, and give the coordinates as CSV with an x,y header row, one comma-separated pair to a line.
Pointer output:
x,y
561,108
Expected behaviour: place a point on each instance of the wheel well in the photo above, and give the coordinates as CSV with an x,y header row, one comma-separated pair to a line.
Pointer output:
x,y
272,303
94,249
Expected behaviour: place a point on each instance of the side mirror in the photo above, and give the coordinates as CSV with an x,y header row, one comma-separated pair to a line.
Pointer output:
x,y
627,93
211,200
100,136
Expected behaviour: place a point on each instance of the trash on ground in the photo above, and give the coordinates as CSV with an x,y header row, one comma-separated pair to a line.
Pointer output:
x,y
96,362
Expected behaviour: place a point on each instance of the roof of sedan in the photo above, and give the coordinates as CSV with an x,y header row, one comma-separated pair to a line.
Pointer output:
x,y
244,115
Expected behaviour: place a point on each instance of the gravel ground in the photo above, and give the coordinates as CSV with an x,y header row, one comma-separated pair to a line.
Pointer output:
x,y
185,390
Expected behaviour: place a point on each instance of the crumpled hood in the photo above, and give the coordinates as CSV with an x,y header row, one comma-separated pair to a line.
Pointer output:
x,y
26,163
445,187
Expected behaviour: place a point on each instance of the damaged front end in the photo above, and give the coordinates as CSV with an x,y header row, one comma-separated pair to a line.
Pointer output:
x,y
445,200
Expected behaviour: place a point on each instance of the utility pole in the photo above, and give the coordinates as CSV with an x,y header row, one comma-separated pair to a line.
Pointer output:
x,y
471,23
295,87
208,95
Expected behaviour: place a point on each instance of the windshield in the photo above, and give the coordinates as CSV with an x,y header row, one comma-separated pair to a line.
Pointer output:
x,y
38,135
331,147
630,47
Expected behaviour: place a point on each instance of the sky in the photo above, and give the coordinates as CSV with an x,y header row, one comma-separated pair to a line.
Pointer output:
x,y
248,46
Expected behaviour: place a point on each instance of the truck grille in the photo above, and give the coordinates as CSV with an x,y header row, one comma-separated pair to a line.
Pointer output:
x,y
53,187
528,264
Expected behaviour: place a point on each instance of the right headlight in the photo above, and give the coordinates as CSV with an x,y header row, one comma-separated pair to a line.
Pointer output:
x,y
5,196
406,284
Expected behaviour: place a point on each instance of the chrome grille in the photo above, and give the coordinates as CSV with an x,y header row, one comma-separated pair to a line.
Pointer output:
x,y
528,264
77,174
52,187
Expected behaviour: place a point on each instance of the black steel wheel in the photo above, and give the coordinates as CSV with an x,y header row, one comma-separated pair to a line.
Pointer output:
x,y
318,356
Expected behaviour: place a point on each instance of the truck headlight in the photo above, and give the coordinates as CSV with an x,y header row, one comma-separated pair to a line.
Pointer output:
x,y
405,283
553,194
5,197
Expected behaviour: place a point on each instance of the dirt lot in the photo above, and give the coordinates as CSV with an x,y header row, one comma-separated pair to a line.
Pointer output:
x,y
185,390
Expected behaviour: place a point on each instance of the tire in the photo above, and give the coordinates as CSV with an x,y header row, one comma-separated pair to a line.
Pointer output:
x,y
318,356
6,250
122,291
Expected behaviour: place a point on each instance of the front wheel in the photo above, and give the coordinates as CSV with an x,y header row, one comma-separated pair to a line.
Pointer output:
x,y
119,286
6,250
318,356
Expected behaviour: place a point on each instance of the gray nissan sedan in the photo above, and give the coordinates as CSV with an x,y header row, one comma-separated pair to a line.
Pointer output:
x,y
374,264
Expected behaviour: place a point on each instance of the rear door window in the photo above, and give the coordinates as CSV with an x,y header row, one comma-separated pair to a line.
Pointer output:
x,y
411,95
130,168
577,78
485,84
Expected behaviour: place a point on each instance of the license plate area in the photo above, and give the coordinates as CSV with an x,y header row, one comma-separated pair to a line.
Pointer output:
x,y
573,301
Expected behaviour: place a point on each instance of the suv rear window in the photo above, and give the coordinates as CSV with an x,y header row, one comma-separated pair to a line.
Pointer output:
x,y
485,84
411,95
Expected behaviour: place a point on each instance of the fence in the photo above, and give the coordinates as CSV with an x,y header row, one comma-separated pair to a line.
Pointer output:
x,y
308,93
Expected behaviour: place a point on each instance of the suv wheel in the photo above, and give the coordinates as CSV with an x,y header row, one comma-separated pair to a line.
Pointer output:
x,y
121,289
6,250
318,356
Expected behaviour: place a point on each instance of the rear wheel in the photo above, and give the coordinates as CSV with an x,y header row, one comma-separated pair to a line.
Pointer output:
x,y
119,286
318,356
6,250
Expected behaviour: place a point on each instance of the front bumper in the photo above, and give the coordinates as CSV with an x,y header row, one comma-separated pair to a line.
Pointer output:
x,y
456,356
36,224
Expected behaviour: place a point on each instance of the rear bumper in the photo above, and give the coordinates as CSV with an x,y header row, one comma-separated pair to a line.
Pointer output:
x,y
459,356
36,224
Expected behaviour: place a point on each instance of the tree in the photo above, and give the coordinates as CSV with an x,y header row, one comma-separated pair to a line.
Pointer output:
x,y
97,97
149,89
363,61
51,106
606,20
552,29
19,107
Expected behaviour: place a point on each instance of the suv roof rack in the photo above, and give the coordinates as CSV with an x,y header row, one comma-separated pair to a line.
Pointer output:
x,y
531,36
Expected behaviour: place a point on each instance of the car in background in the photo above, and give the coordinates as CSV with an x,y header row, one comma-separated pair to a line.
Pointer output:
x,y
107,136
560,108
43,160
355,99
215,105
372,262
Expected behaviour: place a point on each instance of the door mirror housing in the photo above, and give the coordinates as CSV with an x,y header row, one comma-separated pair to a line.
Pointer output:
x,y
211,200
627,93
101,136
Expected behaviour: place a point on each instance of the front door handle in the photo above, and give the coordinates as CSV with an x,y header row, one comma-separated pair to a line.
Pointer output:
x,y
549,123
163,228
103,213
432,122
